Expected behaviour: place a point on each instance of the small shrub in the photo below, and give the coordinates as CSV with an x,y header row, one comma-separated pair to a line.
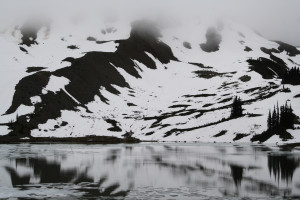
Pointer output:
x,y
245,78
187,45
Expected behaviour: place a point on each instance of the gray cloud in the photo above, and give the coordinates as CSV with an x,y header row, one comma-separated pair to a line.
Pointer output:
x,y
275,19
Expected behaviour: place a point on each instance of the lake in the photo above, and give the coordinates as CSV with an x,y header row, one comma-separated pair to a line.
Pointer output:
x,y
211,171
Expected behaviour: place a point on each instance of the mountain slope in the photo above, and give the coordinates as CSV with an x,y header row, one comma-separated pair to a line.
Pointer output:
x,y
162,83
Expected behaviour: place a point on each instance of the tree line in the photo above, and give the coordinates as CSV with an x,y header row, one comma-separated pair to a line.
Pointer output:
x,y
281,118
292,76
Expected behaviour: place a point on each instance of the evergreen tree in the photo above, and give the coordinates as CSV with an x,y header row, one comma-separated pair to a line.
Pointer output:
x,y
274,119
277,115
270,125
287,117
282,118
292,76
236,109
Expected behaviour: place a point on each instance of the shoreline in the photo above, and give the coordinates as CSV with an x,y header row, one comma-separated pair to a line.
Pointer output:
x,y
112,140
68,140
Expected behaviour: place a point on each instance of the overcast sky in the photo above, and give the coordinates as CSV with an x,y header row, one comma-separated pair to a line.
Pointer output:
x,y
275,19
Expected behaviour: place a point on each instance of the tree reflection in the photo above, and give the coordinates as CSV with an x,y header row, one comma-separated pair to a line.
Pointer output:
x,y
283,167
237,174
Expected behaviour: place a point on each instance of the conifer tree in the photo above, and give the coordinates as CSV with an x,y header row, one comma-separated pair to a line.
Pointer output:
x,y
270,126
277,115
292,76
236,109
282,118
274,118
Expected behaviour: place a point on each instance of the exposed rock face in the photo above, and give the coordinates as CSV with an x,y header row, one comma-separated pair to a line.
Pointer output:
x,y
89,73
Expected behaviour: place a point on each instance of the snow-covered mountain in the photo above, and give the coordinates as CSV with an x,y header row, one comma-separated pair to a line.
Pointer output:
x,y
163,81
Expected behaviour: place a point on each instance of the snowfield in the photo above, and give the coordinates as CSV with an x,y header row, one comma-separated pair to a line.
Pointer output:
x,y
149,83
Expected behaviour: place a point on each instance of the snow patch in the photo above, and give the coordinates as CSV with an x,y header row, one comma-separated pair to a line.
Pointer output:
x,y
55,83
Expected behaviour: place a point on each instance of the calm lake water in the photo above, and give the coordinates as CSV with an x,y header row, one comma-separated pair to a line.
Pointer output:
x,y
148,171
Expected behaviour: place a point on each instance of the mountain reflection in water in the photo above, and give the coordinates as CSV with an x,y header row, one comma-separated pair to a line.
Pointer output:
x,y
51,172
141,171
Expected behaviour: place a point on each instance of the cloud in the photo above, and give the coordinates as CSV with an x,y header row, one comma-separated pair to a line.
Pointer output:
x,y
275,19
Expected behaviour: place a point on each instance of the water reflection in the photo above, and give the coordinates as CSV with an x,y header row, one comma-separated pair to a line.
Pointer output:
x,y
237,174
47,172
143,171
283,166
95,190
52,172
